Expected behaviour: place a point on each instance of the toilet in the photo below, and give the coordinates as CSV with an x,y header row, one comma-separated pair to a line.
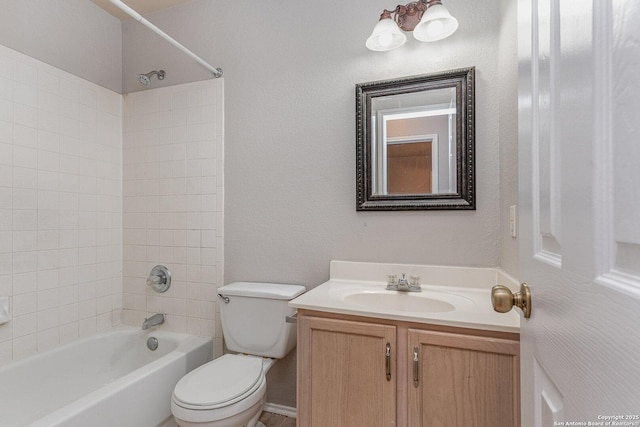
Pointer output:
x,y
230,391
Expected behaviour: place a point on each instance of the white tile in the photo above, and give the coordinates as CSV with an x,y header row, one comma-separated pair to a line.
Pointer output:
x,y
48,219
24,262
193,325
6,109
86,273
87,309
48,279
6,245
48,239
6,88
6,137
103,304
25,115
68,295
24,346
6,218
25,219
25,304
24,156
25,199
25,94
48,260
47,299
104,321
48,200
68,332
6,178
25,73
109,102
68,314
25,241
87,326
68,257
49,161
25,178
25,283
49,83
24,325
48,319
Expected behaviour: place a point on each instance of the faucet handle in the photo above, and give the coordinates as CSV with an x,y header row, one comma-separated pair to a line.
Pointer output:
x,y
414,283
392,282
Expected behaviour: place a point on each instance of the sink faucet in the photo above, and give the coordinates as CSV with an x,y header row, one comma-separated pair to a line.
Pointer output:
x,y
402,285
156,319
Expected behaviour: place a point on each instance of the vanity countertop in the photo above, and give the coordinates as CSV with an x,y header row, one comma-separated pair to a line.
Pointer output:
x,y
451,296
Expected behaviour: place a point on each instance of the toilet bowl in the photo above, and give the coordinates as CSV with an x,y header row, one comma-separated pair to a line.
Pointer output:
x,y
230,391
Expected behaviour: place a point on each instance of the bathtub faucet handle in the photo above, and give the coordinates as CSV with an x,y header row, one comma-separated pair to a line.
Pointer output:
x,y
156,319
159,279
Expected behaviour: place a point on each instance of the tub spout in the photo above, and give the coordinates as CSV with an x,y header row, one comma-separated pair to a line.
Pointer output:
x,y
156,319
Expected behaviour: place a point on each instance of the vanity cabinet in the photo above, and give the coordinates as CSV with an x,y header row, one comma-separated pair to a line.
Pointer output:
x,y
462,380
346,373
355,371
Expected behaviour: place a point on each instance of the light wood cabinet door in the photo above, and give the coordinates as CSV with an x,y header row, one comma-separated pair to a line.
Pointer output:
x,y
462,380
346,373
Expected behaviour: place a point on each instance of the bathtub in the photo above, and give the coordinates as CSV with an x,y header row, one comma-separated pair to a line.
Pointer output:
x,y
106,380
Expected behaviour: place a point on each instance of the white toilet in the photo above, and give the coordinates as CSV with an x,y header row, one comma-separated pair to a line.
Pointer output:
x,y
230,391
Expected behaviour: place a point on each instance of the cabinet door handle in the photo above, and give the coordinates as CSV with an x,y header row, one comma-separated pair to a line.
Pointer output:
x,y
387,361
416,378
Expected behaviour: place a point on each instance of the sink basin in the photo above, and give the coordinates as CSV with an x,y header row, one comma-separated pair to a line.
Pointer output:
x,y
400,301
376,298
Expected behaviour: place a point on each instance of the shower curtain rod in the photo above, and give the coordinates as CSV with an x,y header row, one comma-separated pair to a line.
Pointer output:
x,y
217,72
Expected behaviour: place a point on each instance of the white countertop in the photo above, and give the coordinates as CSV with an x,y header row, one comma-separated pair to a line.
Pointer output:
x,y
466,289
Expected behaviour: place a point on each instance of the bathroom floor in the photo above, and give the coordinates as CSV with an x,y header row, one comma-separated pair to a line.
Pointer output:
x,y
269,419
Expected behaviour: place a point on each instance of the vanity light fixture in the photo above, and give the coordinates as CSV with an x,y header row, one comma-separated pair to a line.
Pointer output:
x,y
428,19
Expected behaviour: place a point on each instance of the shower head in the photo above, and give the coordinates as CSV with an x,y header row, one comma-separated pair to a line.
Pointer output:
x,y
142,78
145,79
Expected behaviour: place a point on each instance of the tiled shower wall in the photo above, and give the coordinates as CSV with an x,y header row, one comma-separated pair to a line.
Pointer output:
x,y
67,171
60,206
173,204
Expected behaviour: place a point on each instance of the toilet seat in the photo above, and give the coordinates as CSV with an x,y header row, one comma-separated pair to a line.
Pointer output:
x,y
222,382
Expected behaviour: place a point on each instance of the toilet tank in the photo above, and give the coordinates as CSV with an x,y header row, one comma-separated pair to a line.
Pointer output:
x,y
254,318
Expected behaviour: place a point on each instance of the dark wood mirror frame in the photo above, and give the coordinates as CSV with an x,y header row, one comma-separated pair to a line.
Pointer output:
x,y
464,197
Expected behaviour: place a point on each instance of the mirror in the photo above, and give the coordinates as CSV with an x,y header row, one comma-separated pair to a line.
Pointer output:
x,y
415,142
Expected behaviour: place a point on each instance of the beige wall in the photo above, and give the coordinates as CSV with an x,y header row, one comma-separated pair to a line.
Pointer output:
x,y
73,35
508,124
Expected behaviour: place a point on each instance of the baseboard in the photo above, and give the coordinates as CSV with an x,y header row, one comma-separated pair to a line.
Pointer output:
x,y
287,411
169,422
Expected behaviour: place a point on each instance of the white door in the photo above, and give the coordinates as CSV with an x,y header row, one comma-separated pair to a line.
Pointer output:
x,y
579,162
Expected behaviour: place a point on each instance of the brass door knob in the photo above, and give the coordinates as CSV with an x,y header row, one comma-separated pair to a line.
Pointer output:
x,y
503,299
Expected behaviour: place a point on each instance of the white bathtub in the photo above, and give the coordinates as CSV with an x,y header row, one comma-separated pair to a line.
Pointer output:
x,y
106,380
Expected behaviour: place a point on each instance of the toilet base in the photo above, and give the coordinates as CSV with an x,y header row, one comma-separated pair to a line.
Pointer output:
x,y
248,418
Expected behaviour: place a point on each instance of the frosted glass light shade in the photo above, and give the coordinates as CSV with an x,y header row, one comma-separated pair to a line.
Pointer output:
x,y
436,24
385,36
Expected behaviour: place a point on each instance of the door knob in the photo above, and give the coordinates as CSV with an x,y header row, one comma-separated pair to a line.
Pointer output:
x,y
503,299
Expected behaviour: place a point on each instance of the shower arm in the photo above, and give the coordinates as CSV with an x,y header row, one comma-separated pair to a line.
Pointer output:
x,y
217,72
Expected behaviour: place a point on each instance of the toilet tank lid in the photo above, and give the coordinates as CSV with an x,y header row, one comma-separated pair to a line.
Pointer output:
x,y
262,290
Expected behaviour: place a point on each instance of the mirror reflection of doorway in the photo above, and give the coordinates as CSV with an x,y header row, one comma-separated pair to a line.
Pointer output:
x,y
422,141
409,167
